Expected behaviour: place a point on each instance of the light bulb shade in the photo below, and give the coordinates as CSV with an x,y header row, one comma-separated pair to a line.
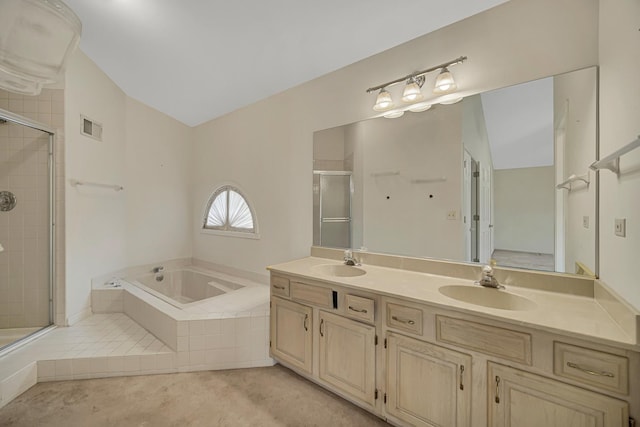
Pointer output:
x,y
383,101
451,100
36,38
420,107
445,82
394,114
412,92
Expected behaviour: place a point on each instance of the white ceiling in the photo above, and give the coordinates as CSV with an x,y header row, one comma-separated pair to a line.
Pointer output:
x,y
199,59
519,123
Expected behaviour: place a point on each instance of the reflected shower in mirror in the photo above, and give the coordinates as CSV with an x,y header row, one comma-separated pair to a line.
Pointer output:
x,y
483,180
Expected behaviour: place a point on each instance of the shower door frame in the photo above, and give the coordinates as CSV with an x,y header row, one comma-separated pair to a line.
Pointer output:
x,y
24,121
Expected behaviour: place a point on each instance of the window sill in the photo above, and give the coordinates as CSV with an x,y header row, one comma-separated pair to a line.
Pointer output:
x,y
240,234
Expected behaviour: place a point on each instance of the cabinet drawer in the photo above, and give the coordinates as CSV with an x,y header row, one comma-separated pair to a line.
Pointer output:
x,y
315,295
279,286
512,345
405,318
591,367
359,307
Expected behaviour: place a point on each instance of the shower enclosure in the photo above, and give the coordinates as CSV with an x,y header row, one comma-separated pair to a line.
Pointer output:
x,y
332,209
26,227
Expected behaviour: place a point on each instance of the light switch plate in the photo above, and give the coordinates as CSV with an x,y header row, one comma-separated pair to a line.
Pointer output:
x,y
621,227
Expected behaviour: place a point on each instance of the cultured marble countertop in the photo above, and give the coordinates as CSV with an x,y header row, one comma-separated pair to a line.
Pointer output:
x,y
577,316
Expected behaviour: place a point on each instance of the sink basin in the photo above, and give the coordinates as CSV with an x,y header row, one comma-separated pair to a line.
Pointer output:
x,y
487,297
338,270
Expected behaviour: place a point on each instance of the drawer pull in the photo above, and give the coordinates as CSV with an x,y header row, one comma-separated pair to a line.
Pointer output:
x,y
497,389
364,310
322,328
407,321
306,318
590,371
279,287
461,377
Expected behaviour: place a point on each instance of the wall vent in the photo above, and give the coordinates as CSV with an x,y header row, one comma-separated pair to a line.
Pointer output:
x,y
90,128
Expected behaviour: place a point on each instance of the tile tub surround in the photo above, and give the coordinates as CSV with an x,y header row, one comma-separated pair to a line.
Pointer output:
x,y
567,313
211,334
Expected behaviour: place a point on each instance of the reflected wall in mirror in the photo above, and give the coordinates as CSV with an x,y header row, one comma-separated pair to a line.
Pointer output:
x,y
478,181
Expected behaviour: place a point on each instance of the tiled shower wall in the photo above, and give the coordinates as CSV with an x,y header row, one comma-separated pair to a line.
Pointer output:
x,y
24,264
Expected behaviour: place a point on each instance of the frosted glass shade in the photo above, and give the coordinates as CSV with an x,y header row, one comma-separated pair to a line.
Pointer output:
x,y
444,82
383,101
412,92
36,38
420,107
394,114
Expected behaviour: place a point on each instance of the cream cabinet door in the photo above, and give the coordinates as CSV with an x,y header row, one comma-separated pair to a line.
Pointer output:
x,y
427,385
347,356
522,399
291,333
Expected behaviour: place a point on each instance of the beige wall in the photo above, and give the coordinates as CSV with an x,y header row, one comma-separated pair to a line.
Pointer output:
x,y
267,147
143,150
524,209
619,124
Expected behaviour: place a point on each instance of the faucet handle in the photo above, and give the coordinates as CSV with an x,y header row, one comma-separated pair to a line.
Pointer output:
x,y
487,270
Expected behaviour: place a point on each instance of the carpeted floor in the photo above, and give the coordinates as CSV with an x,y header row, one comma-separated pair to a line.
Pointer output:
x,y
266,397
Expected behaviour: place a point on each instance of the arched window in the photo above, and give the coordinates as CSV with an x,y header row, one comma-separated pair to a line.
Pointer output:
x,y
229,211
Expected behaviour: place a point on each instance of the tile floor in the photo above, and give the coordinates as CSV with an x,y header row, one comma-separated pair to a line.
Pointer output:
x,y
102,345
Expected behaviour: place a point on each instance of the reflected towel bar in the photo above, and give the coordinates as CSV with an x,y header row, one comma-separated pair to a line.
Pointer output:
x,y
566,184
428,180
75,183
612,161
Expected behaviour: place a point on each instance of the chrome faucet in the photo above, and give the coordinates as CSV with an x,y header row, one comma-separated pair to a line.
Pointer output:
x,y
487,280
349,259
158,269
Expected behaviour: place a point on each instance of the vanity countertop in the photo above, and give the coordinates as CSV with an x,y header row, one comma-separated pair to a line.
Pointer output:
x,y
577,316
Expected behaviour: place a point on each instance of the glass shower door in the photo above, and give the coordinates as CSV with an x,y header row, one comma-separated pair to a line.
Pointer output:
x,y
335,210
25,229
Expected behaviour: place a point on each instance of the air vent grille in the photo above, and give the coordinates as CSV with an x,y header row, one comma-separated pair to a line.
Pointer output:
x,y
90,128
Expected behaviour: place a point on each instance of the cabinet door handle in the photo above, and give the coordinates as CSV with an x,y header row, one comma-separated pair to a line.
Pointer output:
x,y
461,377
407,321
279,287
497,389
322,327
306,319
590,371
363,310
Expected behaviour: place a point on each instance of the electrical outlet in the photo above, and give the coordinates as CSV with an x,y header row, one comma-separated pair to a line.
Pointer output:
x,y
621,227
452,215
585,221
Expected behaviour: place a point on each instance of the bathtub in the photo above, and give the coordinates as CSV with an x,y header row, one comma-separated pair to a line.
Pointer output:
x,y
211,319
186,286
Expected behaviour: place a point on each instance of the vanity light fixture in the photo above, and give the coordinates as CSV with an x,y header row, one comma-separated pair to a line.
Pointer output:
x,y
412,92
445,82
383,101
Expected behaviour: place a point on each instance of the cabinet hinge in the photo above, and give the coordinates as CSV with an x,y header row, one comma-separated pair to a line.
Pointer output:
x,y
269,343
385,398
476,174
632,422
269,304
385,343
476,217
375,395
375,342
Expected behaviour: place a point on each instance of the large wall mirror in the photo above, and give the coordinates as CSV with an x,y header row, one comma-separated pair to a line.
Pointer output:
x,y
500,176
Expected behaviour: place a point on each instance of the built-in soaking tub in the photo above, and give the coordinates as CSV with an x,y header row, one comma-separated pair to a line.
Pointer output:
x,y
213,320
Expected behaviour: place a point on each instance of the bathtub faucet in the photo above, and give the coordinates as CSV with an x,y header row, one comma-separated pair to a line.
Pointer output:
x,y
158,269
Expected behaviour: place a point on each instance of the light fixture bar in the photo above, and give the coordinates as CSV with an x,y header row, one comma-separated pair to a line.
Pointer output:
x,y
456,61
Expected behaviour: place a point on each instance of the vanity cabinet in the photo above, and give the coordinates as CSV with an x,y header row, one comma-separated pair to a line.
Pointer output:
x,y
291,333
521,399
347,356
414,363
427,385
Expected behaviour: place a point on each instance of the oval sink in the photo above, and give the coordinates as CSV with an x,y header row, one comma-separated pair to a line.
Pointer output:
x,y
487,297
339,270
